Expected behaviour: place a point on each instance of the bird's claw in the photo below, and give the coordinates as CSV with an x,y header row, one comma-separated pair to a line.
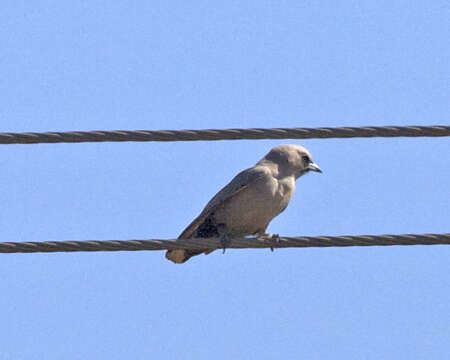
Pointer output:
x,y
275,240
224,242
223,236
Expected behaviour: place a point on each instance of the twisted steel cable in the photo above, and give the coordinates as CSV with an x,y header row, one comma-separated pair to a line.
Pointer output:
x,y
213,243
225,134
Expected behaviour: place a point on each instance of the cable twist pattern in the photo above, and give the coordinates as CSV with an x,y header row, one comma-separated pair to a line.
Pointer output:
x,y
213,243
225,134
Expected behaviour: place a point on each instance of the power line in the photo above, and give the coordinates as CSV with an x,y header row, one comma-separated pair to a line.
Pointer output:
x,y
225,134
213,243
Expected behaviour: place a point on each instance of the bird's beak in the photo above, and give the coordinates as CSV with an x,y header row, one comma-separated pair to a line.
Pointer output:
x,y
314,167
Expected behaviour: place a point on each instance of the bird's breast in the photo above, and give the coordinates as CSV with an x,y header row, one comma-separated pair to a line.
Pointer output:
x,y
285,190
256,207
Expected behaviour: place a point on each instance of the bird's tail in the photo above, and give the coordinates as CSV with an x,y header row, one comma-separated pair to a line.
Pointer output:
x,y
180,256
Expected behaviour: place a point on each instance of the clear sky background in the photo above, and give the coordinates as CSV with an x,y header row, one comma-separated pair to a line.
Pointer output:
x,y
106,65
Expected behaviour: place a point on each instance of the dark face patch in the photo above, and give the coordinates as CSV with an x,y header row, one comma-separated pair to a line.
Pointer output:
x,y
306,160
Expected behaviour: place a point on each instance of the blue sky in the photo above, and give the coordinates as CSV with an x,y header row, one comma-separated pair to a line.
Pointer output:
x,y
76,65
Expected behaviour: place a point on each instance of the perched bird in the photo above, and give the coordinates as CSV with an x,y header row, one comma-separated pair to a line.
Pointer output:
x,y
250,201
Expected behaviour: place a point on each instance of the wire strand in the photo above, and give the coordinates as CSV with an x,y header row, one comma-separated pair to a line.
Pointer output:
x,y
225,134
214,243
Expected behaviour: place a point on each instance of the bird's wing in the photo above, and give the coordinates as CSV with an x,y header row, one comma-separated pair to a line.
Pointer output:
x,y
239,184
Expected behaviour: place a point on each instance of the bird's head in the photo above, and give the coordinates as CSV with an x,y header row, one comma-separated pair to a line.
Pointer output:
x,y
292,160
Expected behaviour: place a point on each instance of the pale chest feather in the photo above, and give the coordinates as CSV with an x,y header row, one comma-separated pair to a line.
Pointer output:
x,y
258,206
283,194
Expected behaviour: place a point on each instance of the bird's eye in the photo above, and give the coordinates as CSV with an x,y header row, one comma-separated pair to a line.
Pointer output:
x,y
305,159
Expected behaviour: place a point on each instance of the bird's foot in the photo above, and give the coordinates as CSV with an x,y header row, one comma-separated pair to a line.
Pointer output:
x,y
224,242
274,238
224,239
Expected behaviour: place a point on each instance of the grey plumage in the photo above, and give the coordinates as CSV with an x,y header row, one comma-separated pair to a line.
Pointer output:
x,y
251,200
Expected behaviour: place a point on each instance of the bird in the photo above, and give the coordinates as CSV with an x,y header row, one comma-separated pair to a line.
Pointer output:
x,y
247,204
